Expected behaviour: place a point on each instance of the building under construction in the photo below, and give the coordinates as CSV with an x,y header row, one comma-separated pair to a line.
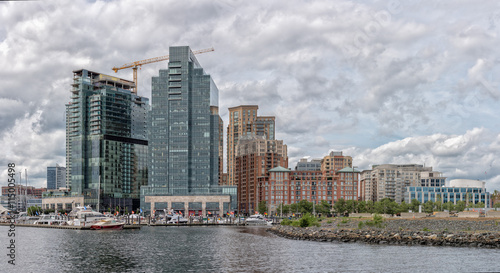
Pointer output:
x,y
106,141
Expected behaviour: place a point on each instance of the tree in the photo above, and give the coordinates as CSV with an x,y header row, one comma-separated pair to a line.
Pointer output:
x,y
262,207
323,207
361,206
479,205
386,206
340,206
414,205
429,207
33,210
369,207
305,206
352,206
403,207
460,206
449,206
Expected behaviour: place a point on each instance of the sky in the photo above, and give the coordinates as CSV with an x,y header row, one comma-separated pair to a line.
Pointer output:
x,y
386,82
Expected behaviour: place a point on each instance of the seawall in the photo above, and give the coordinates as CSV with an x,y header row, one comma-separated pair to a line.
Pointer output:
x,y
430,232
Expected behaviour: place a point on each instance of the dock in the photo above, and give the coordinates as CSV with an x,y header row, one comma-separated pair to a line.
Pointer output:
x,y
66,227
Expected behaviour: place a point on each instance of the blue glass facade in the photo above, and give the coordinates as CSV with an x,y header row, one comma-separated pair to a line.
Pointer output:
x,y
184,134
106,136
447,194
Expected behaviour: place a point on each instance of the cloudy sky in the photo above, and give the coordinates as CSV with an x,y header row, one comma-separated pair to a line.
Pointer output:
x,y
384,81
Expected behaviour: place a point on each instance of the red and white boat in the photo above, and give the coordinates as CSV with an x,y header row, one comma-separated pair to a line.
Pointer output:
x,y
107,224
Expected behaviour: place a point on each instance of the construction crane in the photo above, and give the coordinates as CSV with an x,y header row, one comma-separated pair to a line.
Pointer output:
x,y
135,65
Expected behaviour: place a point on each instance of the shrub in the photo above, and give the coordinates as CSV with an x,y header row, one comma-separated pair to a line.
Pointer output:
x,y
376,221
308,220
361,225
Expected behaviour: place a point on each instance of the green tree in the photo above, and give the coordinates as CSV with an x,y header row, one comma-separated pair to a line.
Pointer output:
x,y
351,205
449,206
361,206
33,210
460,206
414,205
479,205
305,206
386,206
429,207
340,206
323,207
262,207
369,207
403,207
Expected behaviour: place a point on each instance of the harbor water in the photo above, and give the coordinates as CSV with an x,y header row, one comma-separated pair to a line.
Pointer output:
x,y
223,249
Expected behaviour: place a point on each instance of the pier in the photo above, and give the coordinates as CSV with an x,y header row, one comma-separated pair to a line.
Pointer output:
x,y
66,227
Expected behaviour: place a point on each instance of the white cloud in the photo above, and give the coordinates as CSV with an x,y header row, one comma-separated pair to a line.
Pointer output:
x,y
334,73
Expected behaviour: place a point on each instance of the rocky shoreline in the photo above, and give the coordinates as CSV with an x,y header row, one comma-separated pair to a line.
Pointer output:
x,y
429,232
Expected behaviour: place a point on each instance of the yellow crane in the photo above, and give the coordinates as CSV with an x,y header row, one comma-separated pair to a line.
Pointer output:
x,y
135,65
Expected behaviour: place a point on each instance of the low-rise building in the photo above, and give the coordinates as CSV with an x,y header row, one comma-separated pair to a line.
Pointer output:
x,y
470,191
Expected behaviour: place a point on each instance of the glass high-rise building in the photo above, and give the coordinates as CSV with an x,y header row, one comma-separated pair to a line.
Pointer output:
x,y
106,140
185,138
184,135
56,177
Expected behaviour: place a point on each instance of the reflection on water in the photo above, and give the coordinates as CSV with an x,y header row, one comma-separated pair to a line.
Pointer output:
x,y
223,249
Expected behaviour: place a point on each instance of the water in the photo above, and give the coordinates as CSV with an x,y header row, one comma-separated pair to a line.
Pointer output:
x,y
223,249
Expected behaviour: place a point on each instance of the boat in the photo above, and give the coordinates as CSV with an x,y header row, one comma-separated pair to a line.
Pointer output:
x,y
81,216
177,219
256,219
107,224
24,218
51,219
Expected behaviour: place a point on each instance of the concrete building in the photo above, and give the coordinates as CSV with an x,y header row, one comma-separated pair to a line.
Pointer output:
x,y
335,161
467,190
185,136
255,156
56,177
243,121
106,140
432,179
369,186
304,165
391,180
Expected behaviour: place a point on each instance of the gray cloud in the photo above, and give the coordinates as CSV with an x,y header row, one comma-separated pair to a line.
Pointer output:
x,y
336,74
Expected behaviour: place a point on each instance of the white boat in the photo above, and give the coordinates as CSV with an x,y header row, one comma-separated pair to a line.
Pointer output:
x,y
107,224
177,219
50,219
256,219
81,216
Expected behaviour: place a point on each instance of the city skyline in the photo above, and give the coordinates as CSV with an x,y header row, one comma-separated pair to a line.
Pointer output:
x,y
412,82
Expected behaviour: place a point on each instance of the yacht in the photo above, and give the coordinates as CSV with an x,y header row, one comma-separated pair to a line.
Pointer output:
x,y
107,224
256,219
50,219
81,216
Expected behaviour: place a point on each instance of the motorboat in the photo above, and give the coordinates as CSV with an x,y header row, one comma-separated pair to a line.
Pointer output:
x,y
24,218
81,216
51,219
107,224
256,219
177,219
